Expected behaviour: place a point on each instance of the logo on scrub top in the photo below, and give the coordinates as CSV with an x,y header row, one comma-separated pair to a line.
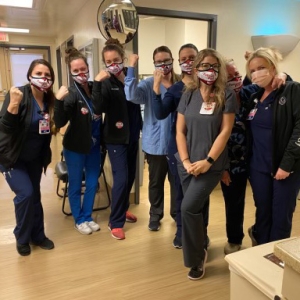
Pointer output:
x,y
282,100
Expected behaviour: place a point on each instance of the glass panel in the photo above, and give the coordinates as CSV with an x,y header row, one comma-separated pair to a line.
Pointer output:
x,y
20,63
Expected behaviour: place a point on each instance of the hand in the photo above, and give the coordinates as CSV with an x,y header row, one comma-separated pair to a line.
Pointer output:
x,y
226,178
16,96
279,80
281,174
62,93
133,59
158,76
102,75
199,167
247,54
187,164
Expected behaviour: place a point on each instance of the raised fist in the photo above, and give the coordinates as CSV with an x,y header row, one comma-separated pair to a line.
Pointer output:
x,y
102,75
16,96
133,59
62,93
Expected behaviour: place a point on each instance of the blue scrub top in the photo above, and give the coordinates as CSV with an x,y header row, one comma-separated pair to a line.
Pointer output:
x,y
261,128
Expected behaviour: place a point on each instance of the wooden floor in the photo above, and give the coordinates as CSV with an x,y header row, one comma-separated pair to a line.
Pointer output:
x,y
143,266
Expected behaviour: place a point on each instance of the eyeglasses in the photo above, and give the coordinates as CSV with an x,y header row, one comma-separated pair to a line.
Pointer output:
x,y
207,66
164,62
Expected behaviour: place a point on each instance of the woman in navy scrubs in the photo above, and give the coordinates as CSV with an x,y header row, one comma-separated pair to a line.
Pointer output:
x,y
274,121
25,135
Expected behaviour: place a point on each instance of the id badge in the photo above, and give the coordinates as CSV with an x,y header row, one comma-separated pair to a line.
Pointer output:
x,y
207,108
252,114
44,127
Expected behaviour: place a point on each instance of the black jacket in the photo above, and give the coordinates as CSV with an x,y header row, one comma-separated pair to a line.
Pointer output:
x,y
123,121
14,130
286,127
73,108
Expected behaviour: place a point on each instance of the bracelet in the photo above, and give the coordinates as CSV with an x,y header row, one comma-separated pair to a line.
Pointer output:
x,y
210,160
185,159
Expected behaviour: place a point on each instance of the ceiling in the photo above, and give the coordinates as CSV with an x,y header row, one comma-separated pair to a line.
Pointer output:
x,y
44,19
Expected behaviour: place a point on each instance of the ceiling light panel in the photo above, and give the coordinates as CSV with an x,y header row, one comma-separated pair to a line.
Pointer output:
x,y
17,3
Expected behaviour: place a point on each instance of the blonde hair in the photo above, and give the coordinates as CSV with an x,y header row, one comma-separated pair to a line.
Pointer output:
x,y
271,55
220,84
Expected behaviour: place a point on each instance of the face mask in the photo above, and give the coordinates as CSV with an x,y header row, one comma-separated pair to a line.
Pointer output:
x,y
208,77
235,84
43,84
262,77
186,66
165,68
81,78
115,68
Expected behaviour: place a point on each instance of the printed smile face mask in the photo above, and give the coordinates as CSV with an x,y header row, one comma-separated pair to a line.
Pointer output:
x,y
262,77
43,84
235,84
186,66
81,78
165,68
115,68
208,77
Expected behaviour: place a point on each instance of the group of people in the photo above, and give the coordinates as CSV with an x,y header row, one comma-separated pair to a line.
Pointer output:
x,y
201,128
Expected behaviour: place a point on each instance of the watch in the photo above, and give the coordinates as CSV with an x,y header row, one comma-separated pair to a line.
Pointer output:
x,y
210,159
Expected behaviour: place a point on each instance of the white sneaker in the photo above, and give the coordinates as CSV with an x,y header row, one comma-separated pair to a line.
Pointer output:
x,y
83,228
93,225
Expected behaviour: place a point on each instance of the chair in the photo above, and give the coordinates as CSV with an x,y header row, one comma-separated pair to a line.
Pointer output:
x,y
62,175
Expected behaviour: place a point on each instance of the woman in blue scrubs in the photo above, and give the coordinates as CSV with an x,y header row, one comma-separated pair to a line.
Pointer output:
x,y
274,122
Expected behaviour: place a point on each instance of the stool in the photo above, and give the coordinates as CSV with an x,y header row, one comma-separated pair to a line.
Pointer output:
x,y
62,175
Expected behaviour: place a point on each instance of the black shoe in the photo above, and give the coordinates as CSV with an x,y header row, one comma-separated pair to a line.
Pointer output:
x,y
198,272
154,225
23,250
177,242
45,244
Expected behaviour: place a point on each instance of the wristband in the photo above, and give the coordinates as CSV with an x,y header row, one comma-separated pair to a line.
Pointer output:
x,y
210,160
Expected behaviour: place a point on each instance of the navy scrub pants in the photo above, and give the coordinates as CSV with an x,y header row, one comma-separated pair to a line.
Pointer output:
x,y
123,160
275,202
158,170
24,180
234,197
77,163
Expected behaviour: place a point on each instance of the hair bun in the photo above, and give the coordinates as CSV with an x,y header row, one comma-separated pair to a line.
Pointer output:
x,y
112,41
71,51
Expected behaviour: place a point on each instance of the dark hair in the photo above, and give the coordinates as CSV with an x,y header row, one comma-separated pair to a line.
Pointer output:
x,y
72,54
160,49
49,96
191,46
113,45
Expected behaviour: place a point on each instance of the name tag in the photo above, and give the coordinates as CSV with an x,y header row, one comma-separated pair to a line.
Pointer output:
x,y
207,108
252,114
44,127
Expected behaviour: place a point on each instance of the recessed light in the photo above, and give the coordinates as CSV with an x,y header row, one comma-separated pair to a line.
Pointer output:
x,y
7,29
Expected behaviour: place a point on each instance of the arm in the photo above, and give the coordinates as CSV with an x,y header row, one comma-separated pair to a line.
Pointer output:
x,y
181,141
9,116
135,92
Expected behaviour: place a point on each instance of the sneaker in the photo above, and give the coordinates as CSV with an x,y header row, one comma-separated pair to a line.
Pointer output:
x,y
231,248
118,233
253,240
154,225
177,242
130,217
45,244
24,249
93,225
83,228
198,272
